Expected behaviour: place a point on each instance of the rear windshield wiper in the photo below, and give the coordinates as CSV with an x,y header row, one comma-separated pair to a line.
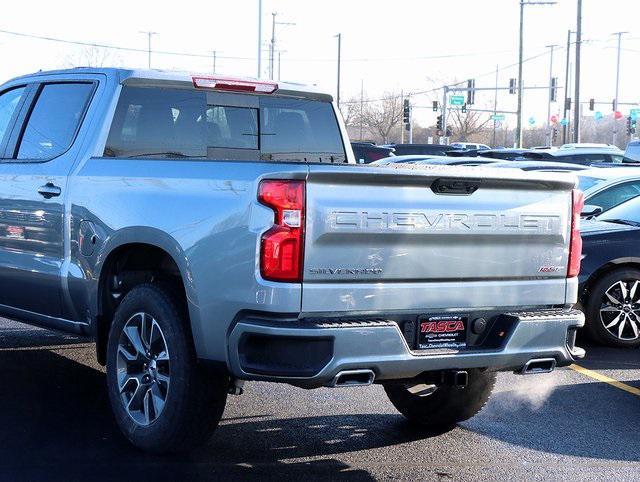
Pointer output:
x,y
622,221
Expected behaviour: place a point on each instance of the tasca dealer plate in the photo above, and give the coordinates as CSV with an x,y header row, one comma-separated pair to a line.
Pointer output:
x,y
442,331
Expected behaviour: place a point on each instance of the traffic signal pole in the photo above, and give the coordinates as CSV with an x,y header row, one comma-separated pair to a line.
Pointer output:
x,y
445,91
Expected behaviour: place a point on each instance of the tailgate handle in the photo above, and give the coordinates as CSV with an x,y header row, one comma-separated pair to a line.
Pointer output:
x,y
455,186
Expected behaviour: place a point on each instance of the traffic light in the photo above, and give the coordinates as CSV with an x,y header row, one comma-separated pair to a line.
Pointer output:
x,y
592,104
555,134
512,86
435,106
567,103
464,108
554,89
631,126
439,122
406,114
471,91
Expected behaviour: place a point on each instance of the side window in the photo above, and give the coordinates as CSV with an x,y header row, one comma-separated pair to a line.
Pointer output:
x,y
8,102
615,195
301,130
54,120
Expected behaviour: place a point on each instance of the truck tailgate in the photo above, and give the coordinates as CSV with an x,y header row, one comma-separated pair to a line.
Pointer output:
x,y
404,237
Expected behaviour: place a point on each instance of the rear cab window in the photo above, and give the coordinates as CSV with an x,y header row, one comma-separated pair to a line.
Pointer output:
x,y
54,120
188,123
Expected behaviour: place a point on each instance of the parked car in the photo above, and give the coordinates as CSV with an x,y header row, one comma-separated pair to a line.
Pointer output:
x,y
610,276
207,230
587,145
470,146
581,155
434,160
607,188
367,152
632,153
403,159
420,149
505,154
542,166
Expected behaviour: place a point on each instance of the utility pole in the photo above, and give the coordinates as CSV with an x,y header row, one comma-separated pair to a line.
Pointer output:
x,y
361,104
272,46
566,87
615,99
149,34
445,90
279,62
495,108
520,61
213,52
576,111
402,125
259,39
549,136
339,36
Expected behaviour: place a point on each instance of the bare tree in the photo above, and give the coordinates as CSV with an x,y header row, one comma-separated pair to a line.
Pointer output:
x,y
92,56
465,125
381,117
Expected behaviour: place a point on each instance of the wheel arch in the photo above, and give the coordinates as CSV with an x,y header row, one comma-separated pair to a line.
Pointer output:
x,y
159,247
605,269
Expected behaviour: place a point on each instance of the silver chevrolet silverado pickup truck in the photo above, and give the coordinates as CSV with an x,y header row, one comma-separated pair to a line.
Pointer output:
x,y
206,231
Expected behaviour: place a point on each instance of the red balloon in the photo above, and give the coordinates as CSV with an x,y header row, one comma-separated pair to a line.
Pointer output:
x,y
617,115
554,118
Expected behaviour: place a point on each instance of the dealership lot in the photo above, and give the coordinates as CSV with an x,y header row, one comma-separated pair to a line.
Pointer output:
x,y
56,424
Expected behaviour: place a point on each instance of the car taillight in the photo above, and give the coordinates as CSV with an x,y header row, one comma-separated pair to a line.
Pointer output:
x,y
282,246
234,84
575,244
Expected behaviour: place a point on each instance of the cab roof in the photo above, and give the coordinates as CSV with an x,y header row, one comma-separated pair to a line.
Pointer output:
x,y
172,78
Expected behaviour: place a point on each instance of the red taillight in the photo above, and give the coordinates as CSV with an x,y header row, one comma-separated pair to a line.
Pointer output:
x,y
575,245
235,85
282,246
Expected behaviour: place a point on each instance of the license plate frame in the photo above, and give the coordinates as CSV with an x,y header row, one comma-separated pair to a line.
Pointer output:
x,y
442,331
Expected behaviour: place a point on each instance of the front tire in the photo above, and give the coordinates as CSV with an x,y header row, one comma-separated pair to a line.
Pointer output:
x,y
613,309
439,406
162,399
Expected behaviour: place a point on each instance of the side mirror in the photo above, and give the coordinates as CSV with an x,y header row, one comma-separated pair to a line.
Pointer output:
x,y
590,210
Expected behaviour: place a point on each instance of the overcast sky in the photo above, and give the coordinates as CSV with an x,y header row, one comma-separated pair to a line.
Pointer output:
x,y
409,45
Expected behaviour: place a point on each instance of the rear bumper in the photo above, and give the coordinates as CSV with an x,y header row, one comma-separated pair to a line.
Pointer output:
x,y
311,353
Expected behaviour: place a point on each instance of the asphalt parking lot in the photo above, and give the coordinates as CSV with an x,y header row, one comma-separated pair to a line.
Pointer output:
x,y
55,423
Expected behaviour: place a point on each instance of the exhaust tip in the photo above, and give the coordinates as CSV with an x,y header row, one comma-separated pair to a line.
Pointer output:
x,y
538,365
353,378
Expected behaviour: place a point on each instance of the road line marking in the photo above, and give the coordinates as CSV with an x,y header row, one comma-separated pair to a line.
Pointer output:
x,y
603,378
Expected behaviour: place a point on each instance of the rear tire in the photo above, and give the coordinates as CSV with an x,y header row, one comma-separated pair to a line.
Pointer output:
x,y
441,407
601,311
163,400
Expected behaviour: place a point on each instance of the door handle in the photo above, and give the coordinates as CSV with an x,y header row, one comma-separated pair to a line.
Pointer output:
x,y
49,190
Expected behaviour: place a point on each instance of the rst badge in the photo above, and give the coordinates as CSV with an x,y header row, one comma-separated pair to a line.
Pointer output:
x,y
442,331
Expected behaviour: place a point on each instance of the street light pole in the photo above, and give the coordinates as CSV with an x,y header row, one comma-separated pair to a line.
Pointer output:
x,y
259,39
549,137
576,110
214,60
615,100
339,36
566,87
518,138
520,55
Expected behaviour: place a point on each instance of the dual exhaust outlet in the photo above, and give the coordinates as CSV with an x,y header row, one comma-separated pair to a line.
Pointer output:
x,y
459,378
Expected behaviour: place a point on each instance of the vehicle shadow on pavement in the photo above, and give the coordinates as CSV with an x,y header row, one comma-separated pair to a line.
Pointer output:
x,y
55,423
586,420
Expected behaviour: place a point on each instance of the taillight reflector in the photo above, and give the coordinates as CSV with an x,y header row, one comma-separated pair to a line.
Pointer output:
x,y
234,84
575,244
282,246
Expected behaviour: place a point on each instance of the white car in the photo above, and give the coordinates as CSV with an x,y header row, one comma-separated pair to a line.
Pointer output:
x,y
469,145
607,188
